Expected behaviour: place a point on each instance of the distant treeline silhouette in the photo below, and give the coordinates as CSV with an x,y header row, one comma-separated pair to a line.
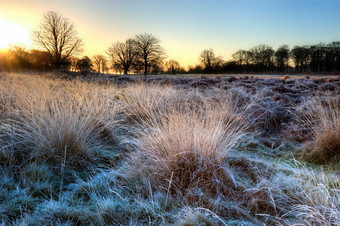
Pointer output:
x,y
61,48
264,59
320,58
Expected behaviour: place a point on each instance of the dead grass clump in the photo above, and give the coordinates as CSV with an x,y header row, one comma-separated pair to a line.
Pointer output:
x,y
144,102
317,198
323,119
269,116
186,150
240,98
260,199
68,122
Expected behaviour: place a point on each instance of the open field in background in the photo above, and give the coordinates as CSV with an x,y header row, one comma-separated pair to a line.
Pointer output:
x,y
181,150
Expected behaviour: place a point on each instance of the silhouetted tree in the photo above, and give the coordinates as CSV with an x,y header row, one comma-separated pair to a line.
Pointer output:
x,y
230,66
207,58
99,63
336,49
156,69
84,64
73,63
262,57
241,58
218,64
149,50
247,60
332,58
123,55
317,57
172,67
40,60
210,62
282,58
20,58
138,66
57,35
300,56
195,70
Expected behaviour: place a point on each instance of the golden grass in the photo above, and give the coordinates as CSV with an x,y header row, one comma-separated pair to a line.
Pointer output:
x,y
183,138
186,149
57,120
144,103
323,118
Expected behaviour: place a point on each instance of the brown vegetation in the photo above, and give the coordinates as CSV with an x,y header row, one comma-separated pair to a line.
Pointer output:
x,y
179,151
323,118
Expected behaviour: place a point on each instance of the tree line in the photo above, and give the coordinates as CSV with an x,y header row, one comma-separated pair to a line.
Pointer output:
x,y
59,47
308,58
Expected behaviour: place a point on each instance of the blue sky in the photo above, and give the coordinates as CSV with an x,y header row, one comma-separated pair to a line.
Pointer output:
x,y
187,27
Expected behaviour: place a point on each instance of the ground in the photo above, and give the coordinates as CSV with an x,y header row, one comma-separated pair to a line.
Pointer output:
x,y
183,150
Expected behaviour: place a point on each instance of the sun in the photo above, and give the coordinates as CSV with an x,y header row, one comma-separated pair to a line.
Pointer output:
x,y
13,34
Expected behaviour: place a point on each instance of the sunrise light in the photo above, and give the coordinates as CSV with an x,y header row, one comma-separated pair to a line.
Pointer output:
x,y
13,34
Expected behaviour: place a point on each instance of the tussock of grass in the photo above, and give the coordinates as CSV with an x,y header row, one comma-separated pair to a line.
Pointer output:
x,y
317,198
323,117
142,103
186,150
68,122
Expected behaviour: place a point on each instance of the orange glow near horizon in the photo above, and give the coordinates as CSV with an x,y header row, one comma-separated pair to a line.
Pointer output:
x,y
185,34
17,25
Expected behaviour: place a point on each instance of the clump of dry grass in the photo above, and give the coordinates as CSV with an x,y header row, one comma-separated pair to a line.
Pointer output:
x,y
185,150
323,118
59,120
143,102
317,198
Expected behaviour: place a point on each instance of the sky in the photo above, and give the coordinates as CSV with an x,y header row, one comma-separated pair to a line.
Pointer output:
x,y
185,27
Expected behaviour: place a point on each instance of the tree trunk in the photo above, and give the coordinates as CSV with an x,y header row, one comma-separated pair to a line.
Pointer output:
x,y
145,67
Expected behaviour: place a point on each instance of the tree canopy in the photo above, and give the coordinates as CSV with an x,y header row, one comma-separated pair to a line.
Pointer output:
x,y
58,36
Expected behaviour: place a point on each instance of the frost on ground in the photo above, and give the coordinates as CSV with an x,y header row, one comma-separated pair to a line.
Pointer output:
x,y
182,151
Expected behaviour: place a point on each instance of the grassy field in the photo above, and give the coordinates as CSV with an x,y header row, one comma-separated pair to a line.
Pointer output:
x,y
90,152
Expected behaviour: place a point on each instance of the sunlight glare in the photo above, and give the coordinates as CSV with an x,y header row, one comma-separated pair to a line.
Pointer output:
x,y
13,34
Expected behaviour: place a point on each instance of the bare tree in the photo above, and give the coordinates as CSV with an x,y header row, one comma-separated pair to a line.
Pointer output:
x,y
20,57
99,63
240,57
301,57
262,57
210,61
149,50
207,58
172,66
57,35
84,64
123,55
282,58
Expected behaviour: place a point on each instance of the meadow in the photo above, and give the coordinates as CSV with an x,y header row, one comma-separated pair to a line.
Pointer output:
x,y
214,150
